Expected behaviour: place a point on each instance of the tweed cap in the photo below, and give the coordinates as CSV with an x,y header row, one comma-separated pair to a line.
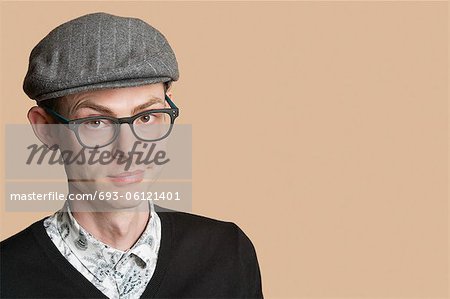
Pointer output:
x,y
97,51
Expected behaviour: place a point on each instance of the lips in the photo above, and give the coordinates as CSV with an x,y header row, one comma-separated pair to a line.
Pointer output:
x,y
127,177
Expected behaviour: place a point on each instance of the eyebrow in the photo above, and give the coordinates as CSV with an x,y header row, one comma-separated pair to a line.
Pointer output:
x,y
106,111
151,102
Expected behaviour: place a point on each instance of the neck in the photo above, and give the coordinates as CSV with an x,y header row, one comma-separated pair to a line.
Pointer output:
x,y
119,229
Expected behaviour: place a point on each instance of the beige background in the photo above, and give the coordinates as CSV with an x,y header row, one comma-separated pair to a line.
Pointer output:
x,y
320,128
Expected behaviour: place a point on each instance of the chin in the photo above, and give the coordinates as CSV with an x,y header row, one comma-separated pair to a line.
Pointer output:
x,y
112,195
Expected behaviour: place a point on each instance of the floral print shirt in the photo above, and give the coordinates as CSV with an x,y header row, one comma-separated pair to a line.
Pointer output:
x,y
117,274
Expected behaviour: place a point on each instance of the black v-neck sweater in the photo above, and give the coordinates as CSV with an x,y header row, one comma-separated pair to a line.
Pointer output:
x,y
199,257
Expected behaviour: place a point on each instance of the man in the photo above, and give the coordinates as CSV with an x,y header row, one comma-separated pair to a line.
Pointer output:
x,y
103,82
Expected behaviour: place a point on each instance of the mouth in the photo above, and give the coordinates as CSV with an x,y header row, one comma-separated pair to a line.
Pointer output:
x,y
127,177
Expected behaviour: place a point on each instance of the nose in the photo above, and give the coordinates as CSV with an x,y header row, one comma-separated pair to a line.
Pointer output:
x,y
124,141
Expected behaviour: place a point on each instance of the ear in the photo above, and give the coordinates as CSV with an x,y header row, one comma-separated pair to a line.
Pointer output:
x,y
40,121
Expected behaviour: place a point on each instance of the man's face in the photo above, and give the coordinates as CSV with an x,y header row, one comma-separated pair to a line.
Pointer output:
x,y
113,176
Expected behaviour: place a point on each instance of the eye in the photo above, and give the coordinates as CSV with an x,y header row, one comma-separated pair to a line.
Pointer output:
x,y
146,118
96,124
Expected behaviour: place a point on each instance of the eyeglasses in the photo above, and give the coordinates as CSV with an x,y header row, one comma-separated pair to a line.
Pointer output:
x,y
99,131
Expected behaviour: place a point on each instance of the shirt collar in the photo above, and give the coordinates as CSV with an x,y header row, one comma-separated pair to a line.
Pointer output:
x,y
87,248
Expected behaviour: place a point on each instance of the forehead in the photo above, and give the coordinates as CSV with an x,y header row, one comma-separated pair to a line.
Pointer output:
x,y
116,98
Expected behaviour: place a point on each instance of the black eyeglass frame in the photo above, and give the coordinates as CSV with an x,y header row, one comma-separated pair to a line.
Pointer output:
x,y
73,124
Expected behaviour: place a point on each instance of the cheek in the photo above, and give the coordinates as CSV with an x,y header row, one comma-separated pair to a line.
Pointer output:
x,y
66,139
69,148
78,162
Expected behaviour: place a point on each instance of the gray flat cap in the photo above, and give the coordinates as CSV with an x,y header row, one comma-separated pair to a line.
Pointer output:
x,y
97,51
